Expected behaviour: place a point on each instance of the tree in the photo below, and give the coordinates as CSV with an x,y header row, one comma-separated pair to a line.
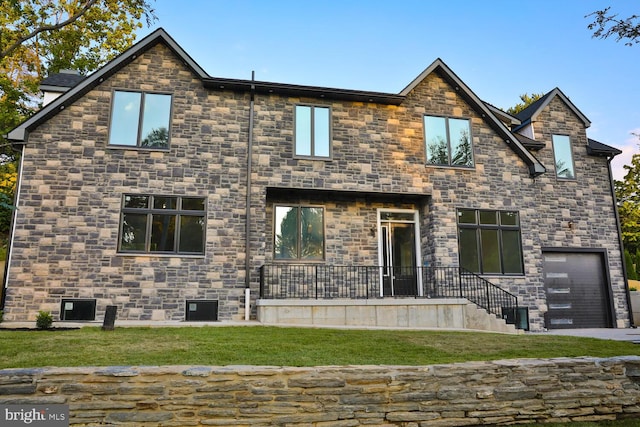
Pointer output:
x,y
40,37
608,24
156,138
438,153
630,264
45,36
628,195
526,101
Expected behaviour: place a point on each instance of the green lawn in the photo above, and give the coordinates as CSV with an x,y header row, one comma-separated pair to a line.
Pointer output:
x,y
259,345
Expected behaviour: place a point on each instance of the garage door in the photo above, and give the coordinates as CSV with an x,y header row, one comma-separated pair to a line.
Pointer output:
x,y
576,289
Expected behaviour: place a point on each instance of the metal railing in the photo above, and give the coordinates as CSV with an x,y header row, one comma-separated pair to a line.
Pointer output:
x,y
319,281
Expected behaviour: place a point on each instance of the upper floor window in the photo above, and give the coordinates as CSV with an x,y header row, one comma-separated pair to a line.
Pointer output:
x,y
489,241
313,131
563,156
162,224
448,141
299,232
140,119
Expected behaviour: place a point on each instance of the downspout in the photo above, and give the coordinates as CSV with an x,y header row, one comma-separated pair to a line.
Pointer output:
x,y
12,227
620,243
247,258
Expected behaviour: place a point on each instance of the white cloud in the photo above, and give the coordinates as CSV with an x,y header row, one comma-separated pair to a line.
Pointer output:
x,y
629,148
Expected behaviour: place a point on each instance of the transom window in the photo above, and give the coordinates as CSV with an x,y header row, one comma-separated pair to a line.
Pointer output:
x,y
489,241
313,131
299,233
448,141
140,119
162,224
563,156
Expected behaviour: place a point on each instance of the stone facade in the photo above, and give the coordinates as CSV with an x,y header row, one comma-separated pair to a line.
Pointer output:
x,y
465,394
72,184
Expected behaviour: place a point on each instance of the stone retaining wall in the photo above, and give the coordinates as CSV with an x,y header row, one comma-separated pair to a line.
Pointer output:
x,y
463,394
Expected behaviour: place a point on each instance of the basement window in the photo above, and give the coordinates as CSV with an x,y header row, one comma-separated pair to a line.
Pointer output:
x,y
78,309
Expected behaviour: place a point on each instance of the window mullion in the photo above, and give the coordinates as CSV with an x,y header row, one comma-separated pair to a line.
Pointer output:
x,y
313,131
479,249
147,242
446,127
176,234
140,120
500,248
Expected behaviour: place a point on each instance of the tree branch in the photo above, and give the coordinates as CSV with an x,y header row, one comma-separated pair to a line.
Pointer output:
x,y
44,28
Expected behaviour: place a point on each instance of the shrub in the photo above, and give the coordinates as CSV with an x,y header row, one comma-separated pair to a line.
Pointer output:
x,y
1,316
631,270
44,320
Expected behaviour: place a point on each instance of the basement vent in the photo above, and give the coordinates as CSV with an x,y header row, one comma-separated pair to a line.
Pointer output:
x,y
202,310
78,309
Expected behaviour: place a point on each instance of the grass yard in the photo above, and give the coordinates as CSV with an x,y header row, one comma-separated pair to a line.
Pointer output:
x,y
258,345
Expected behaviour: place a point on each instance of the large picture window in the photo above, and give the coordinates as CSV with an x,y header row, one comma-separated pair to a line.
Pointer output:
x,y
448,141
140,119
162,224
563,156
313,131
299,233
489,241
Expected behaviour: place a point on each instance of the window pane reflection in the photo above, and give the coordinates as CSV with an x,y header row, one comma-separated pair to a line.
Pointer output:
x,y
563,156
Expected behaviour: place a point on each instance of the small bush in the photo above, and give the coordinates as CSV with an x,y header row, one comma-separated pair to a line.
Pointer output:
x,y
1,316
44,320
631,288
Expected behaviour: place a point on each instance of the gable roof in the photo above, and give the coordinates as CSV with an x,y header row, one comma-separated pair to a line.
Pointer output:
x,y
595,148
20,133
530,114
503,115
535,167
62,81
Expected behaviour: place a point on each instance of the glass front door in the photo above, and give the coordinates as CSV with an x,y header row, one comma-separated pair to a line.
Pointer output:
x,y
398,249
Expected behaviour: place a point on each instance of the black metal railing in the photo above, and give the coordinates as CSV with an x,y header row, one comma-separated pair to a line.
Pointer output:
x,y
319,281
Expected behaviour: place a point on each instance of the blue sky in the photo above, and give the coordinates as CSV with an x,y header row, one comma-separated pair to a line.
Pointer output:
x,y
500,49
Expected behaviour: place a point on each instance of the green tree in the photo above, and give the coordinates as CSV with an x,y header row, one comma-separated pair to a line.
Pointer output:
x,y
606,24
628,195
463,154
438,153
526,101
156,138
631,270
39,37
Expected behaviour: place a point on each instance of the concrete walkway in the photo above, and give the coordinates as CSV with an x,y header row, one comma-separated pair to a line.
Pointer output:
x,y
626,334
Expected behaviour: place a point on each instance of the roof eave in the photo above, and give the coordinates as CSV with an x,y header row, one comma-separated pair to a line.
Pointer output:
x,y
567,101
535,167
21,132
303,91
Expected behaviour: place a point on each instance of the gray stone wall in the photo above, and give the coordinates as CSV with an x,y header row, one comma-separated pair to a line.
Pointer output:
x,y
465,394
381,149
72,185
67,224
